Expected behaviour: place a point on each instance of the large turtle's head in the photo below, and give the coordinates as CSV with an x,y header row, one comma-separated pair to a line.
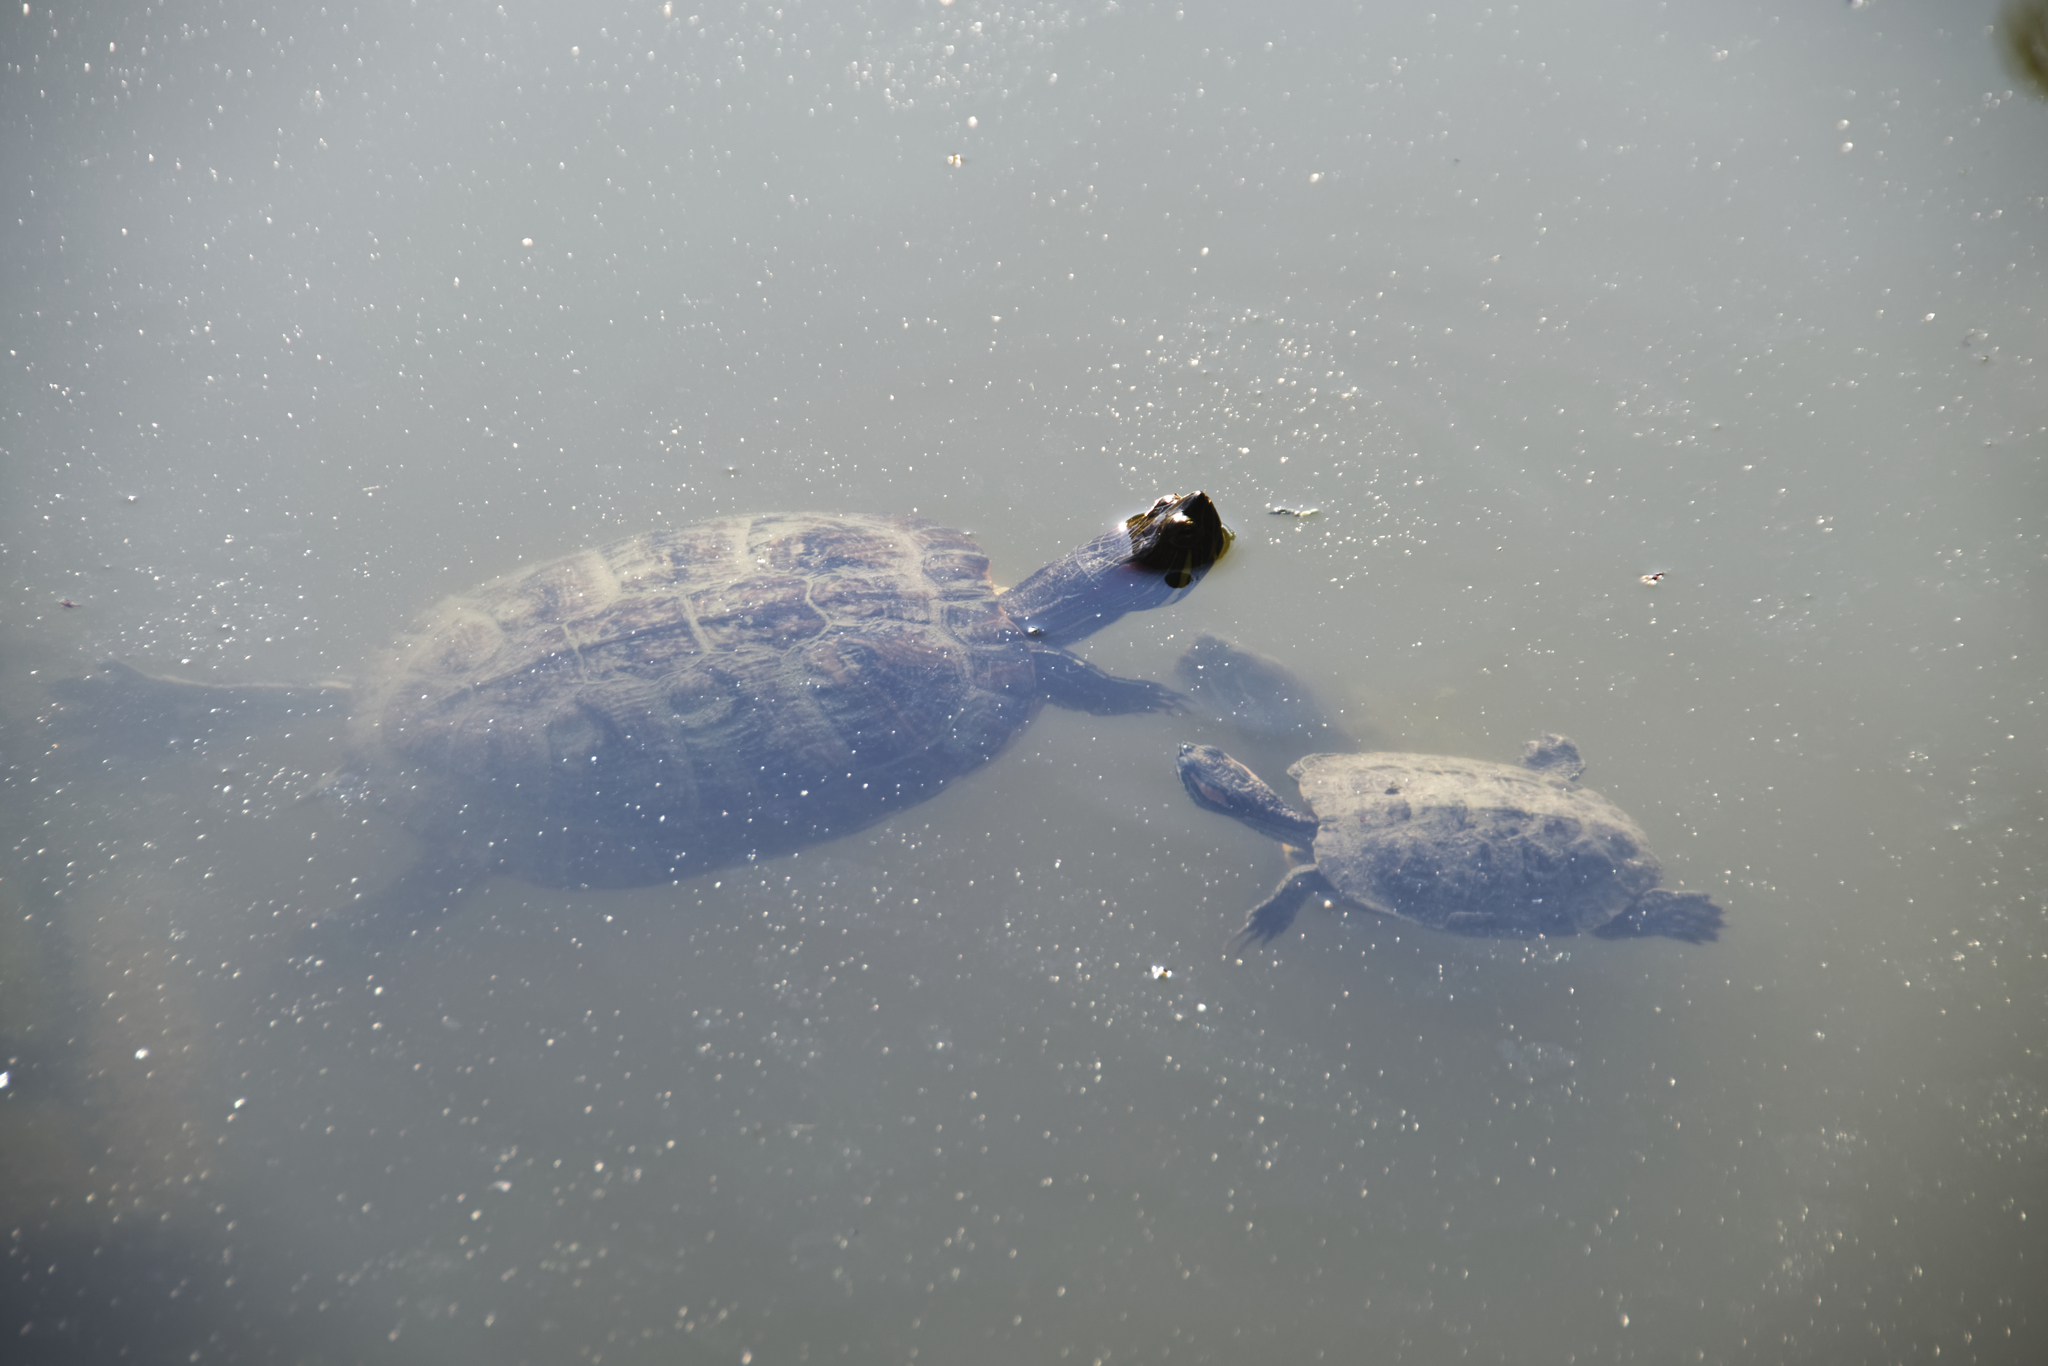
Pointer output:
x,y
1149,561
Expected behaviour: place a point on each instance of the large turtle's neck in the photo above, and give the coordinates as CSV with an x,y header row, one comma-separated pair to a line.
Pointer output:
x,y
1149,561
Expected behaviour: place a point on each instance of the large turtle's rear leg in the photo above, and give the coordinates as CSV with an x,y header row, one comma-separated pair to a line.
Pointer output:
x,y
413,906
1273,917
126,692
1690,916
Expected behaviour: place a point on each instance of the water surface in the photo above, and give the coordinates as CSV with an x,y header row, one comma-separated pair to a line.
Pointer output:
x,y
313,318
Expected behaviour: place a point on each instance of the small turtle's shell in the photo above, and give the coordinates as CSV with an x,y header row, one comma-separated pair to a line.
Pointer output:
x,y
1473,847
694,697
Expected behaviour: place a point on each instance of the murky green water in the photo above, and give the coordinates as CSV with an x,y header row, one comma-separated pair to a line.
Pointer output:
x,y
314,318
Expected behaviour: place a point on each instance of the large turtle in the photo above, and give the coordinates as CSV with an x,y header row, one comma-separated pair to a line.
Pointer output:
x,y
1455,844
690,698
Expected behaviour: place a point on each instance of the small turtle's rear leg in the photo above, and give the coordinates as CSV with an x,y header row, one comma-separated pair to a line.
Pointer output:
x,y
1272,917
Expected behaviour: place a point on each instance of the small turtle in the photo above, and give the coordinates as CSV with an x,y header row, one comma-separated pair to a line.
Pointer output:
x,y
1455,844
711,694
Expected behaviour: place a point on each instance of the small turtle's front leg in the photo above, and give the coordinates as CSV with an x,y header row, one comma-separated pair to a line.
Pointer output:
x,y
1271,918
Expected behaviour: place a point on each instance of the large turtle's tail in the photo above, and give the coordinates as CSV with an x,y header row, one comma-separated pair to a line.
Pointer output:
x,y
1690,916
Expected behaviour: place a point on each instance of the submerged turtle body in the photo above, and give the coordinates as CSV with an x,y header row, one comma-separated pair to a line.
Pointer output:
x,y
682,699
1477,847
1462,845
740,688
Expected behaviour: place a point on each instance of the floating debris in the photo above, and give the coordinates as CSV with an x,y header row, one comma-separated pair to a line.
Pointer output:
x,y
955,159
1652,580
1291,512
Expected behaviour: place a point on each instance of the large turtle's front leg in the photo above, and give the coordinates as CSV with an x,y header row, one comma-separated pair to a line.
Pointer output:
x,y
1069,681
1272,917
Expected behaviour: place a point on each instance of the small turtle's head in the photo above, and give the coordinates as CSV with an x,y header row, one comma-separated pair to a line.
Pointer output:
x,y
1216,781
1154,558
1221,784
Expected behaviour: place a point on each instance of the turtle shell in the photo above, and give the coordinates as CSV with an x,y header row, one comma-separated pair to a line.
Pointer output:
x,y
1473,847
694,697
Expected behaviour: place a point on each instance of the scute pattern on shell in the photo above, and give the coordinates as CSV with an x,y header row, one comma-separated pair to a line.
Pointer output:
x,y
688,698
1473,847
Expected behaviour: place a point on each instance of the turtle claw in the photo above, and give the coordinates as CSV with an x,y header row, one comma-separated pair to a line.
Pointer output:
x,y
1260,928
1069,681
1274,916
1157,697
